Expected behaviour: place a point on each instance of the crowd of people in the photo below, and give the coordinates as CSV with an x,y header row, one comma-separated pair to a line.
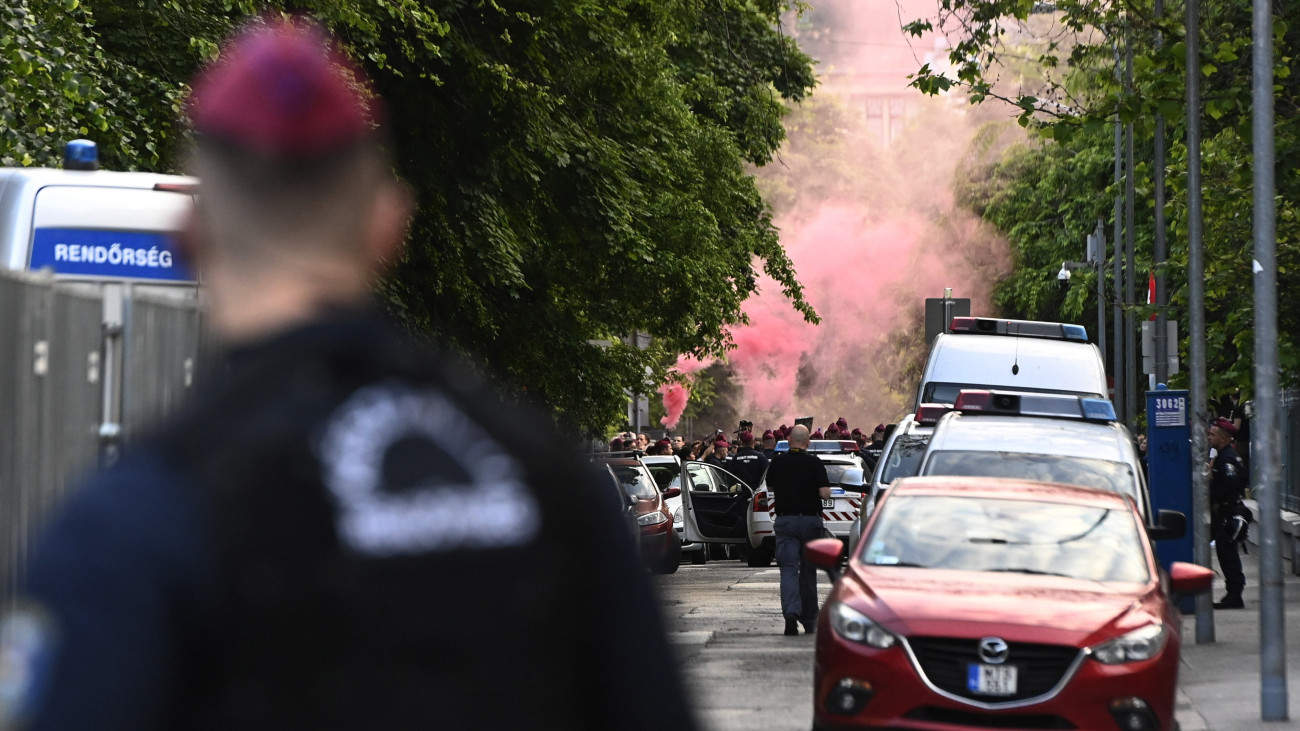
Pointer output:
x,y
737,453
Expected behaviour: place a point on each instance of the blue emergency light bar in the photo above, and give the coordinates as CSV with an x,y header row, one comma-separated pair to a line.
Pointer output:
x,y
80,155
1021,328
1058,406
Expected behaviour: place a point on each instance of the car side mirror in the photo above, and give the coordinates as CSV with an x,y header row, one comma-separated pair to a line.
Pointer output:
x,y
824,553
1170,526
853,479
672,492
1188,578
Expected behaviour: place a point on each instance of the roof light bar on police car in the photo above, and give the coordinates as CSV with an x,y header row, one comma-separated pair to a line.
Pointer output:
x,y
1021,328
929,414
1035,404
81,155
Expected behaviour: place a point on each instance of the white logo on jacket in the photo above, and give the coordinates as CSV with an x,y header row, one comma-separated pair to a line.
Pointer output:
x,y
494,508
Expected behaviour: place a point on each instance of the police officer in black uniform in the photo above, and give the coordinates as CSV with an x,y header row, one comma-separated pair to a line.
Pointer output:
x,y
1228,521
748,464
870,454
718,457
341,531
798,483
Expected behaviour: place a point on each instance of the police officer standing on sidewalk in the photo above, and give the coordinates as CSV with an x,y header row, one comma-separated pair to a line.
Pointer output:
x,y
1228,521
798,483
342,529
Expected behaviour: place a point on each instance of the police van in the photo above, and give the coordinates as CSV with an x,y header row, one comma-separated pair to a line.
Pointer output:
x,y
1011,355
89,225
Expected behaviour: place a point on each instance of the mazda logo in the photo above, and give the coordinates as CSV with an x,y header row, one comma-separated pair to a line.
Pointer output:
x,y
993,650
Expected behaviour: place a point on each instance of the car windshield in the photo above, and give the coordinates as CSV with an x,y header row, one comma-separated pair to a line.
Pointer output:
x,y
966,533
904,458
1098,473
636,481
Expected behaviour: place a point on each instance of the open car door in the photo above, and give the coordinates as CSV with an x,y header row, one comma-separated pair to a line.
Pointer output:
x,y
714,503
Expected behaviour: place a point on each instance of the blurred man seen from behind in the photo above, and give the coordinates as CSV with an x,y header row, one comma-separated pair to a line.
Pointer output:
x,y
342,529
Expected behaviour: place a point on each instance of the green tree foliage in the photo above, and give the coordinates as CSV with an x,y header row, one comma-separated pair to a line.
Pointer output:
x,y
1047,196
580,167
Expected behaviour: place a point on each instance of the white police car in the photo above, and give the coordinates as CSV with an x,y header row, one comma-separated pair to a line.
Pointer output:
x,y
714,507
900,457
845,470
668,473
1044,437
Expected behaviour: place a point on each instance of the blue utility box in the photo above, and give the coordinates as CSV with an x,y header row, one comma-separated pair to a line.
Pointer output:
x,y
1169,471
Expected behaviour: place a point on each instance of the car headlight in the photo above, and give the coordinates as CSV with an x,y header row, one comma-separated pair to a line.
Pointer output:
x,y
677,516
654,518
1142,643
853,625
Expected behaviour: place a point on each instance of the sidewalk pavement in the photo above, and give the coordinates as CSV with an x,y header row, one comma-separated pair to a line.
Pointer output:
x,y
1219,682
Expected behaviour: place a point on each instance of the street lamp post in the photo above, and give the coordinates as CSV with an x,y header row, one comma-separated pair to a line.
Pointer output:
x,y
1097,263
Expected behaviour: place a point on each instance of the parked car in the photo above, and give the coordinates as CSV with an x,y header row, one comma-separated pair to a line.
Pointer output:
x,y
977,603
844,469
660,547
714,506
667,472
900,457
607,479
1011,355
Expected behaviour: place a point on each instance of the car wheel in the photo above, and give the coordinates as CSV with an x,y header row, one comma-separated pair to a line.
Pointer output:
x,y
759,558
672,557
700,557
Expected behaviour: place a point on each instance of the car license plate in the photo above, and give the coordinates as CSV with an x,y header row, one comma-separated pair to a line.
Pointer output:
x,y
828,503
991,679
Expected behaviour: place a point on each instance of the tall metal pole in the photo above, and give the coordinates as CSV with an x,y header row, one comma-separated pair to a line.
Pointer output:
x,y
1130,274
1266,450
1100,266
1161,250
1196,324
1117,354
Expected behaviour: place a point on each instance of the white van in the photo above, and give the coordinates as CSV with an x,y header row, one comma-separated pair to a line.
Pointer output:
x,y
85,224
1011,355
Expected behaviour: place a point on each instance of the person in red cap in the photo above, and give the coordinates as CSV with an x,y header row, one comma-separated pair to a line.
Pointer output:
x,y
1229,516
870,454
748,463
719,456
342,529
769,444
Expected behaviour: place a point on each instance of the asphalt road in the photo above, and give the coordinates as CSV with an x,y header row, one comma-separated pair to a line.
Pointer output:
x,y
743,673
725,620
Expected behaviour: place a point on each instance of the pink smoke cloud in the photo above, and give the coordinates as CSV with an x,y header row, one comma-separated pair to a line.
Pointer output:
x,y
675,395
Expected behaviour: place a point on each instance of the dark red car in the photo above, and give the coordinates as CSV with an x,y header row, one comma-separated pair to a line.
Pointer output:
x,y
980,603
661,548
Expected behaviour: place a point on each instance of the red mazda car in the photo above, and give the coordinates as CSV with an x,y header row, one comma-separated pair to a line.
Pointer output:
x,y
980,603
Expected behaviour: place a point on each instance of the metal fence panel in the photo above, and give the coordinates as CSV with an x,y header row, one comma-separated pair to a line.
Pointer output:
x,y
73,385
53,372
162,348
24,306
